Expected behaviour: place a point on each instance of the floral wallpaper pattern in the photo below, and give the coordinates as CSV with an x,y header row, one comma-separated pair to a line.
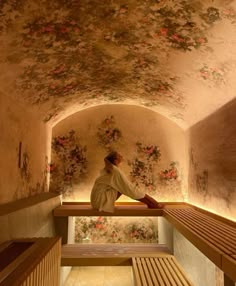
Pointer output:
x,y
116,230
69,162
142,166
108,134
90,52
73,166
213,74
169,174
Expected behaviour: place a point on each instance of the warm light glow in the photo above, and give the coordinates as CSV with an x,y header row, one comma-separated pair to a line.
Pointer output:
x,y
214,211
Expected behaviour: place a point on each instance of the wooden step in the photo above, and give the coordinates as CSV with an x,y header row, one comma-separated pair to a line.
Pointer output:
x,y
109,254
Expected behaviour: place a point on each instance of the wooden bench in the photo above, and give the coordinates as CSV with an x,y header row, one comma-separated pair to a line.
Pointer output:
x,y
214,236
158,271
108,254
83,209
152,264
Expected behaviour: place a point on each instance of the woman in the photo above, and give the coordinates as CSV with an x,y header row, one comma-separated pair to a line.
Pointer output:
x,y
112,183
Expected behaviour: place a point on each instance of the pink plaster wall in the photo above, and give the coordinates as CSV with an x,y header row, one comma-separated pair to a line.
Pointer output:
x,y
212,168
136,124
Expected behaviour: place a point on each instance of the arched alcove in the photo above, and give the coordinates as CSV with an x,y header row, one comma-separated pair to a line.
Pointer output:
x,y
153,148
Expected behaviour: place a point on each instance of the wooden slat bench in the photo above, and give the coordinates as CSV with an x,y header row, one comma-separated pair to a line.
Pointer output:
x,y
66,210
152,264
158,271
213,237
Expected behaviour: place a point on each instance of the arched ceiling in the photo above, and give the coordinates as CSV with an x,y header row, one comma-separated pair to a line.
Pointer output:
x,y
175,57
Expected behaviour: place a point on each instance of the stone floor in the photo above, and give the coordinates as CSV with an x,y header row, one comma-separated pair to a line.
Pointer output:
x,y
100,276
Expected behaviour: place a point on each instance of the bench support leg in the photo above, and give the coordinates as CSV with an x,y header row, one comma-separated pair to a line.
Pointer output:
x,y
228,281
61,227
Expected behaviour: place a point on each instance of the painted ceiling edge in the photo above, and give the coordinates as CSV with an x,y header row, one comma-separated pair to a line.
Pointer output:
x,y
72,111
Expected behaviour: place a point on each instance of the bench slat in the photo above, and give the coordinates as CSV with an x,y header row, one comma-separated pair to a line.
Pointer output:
x,y
202,231
151,271
209,231
141,272
220,228
230,230
180,273
167,272
137,279
158,274
226,227
171,268
158,271
147,272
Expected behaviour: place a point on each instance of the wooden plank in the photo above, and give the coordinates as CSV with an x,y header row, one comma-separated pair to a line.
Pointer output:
x,y
179,272
162,272
137,279
229,266
204,232
158,273
26,202
213,215
141,272
146,271
151,271
170,265
226,225
109,254
215,229
212,252
124,210
162,262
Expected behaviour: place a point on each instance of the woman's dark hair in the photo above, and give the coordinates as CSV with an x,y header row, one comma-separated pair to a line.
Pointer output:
x,y
110,161
111,157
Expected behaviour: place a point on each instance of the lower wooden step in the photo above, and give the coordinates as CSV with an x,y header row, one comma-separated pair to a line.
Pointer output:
x,y
89,254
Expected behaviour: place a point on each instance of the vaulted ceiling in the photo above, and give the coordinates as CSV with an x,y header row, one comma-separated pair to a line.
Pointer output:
x,y
175,57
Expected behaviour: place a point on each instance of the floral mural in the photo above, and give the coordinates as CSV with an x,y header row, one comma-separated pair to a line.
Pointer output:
x,y
169,174
143,166
115,230
108,134
69,162
213,74
92,52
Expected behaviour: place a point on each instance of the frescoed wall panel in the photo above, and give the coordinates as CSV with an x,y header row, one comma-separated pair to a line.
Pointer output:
x,y
152,148
116,230
212,180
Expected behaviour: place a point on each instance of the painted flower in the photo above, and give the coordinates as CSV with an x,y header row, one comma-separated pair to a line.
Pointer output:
x,y
170,173
108,134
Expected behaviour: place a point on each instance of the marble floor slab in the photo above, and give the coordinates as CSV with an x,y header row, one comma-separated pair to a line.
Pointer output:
x,y
100,276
